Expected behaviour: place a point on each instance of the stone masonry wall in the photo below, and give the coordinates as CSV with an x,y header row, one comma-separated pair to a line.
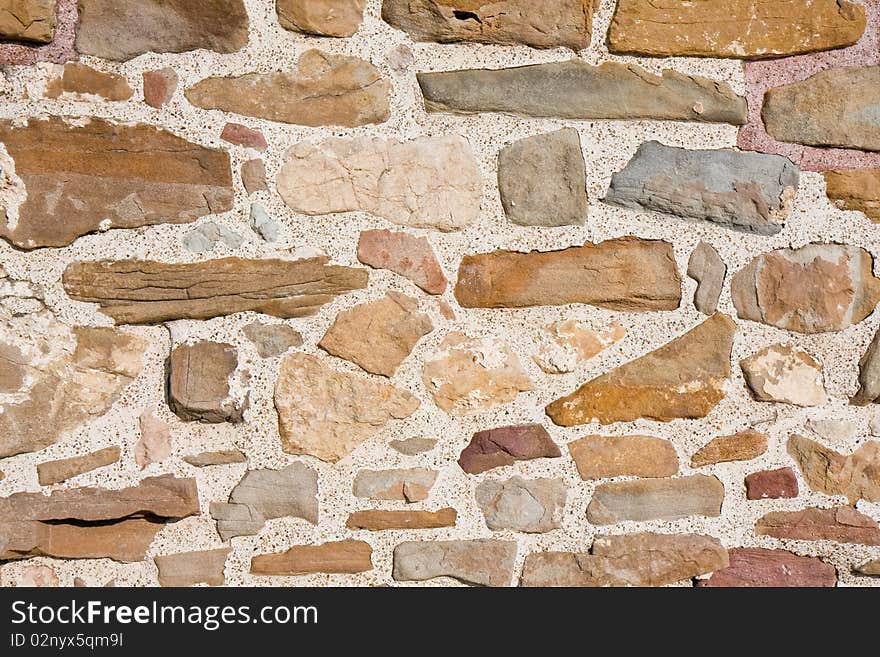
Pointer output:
x,y
439,292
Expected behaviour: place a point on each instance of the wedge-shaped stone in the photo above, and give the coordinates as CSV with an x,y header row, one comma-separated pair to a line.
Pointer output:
x,y
630,560
190,568
79,179
603,457
626,273
54,472
333,18
200,381
496,448
869,568
742,29
81,82
222,457
741,446
576,90
522,505
771,568
379,520
682,379
781,373
409,485
869,375
836,107
707,268
124,29
855,189
813,289
548,24
563,346
327,413
747,191
855,476
407,255
324,90
147,292
481,562
655,499
840,524
346,557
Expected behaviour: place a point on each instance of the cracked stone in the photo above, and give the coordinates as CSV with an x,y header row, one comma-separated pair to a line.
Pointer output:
x,y
410,485
707,268
28,20
522,505
203,386
855,476
780,373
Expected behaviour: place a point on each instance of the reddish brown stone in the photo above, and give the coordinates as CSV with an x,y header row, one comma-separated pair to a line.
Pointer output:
x,y
54,472
159,86
337,557
379,520
842,524
411,257
496,448
772,485
241,135
771,568
253,176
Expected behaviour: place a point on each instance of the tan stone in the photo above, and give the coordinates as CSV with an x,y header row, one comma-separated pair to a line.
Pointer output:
x,y
346,557
190,568
870,568
222,457
742,29
741,446
627,273
562,346
655,499
82,81
481,562
472,374
379,520
682,379
202,386
855,189
154,445
408,485
707,268
159,86
324,90
54,472
407,255
603,457
840,524
28,20
333,18
855,476
780,373
413,446
327,413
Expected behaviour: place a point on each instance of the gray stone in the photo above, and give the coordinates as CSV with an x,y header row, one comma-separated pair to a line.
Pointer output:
x,y
410,485
262,224
522,505
543,180
413,446
708,269
656,499
272,339
207,236
480,562
746,191
869,374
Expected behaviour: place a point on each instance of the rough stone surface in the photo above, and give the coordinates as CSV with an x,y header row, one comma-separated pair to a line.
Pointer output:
x,y
154,444
870,568
160,86
655,499
781,373
201,385
337,557
241,135
208,236
644,559
842,524
253,176
272,340
603,457
222,457
543,180
741,446
190,568
753,192
771,568
563,346
743,29
772,485
324,90
97,175
377,520
39,577
496,448
836,431
82,82
707,268
413,446
54,472
869,374
855,476
411,485
482,562
59,49
576,90
855,189
332,18
28,20
626,273
263,224
407,255
682,379
813,289
432,182
522,505
327,413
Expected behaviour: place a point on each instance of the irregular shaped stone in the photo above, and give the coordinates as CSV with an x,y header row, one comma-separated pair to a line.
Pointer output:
x,y
154,445
855,189
771,568
870,568
379,335
869,376
79,179
563,346
400,59
222,457
472,374
655,499
781,373
550,24
54,472
742,29
123,29
813,289
772,485
707,268
855,476
543,180
412,485
82,81
522,505
39,577
347,557
272,340
834,430
202,386
431,182
146,292
332,18
413,446
481,562
377,520
208,235
836,107
28,20
123,540
643,559
407,255
264,495
241,135
253,176
682,379
842,524
262,224
496,448
576,90
159,86
753,192
191,568
626,273
603,457
326,413
741,446
324,90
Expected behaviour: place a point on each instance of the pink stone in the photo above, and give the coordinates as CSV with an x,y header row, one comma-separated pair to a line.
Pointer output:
x,y
411,257
772,485
241,135
771,568
59,51
159,86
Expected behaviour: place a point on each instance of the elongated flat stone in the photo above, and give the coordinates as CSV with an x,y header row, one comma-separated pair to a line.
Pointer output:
x,y
655,499
190,568
855,476
379,520
333,18
577,90
222,457
707,268
408,485
28,20
603,457
81,82
548,24
682,379
346,557
741,446
54,472
147,292
869,568
747,191
742,29
771,568
82,178
855,189
840,524
836,107
481,562
496,448
627,273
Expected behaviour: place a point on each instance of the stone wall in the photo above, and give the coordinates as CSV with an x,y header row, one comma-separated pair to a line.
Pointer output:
x,y
352,292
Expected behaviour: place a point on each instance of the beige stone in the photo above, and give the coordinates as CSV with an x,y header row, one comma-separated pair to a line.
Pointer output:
x,y
655,499
190,568
781,373
54,472
202,385
345,557
82,81
563,346
39,577
855,476
407,485
333,18
603,457
154,445
870,568
741,446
